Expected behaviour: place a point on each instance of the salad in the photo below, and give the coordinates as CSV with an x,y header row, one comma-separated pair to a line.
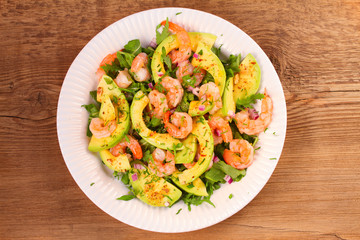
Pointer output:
x,y
175,120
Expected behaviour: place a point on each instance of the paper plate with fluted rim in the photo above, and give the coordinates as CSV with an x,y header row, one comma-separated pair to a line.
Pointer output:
x,y
86,167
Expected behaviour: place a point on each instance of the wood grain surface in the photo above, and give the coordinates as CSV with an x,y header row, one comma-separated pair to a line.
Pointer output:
x,y
314,192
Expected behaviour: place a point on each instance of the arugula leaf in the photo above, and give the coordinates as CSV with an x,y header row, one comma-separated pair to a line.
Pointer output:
x,y
149,51
125,179
246,103
207,78
232,65
164,34
125,59
93,111
93,95
166,59
234,173
217,51
112,69
126,197
133,47
215,175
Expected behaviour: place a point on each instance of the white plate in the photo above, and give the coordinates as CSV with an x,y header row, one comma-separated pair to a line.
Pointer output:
x,y
86,168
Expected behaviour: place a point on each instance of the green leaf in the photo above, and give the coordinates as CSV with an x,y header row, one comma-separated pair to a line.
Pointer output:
x,y
93,95
229,170
246,103
112,69
231,196
125,59
133,47
166,59
125,179
155,122
215,175
217,51
126,197
164,34
92,184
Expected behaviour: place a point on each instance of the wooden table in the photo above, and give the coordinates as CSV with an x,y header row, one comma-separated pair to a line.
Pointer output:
x,y
314,192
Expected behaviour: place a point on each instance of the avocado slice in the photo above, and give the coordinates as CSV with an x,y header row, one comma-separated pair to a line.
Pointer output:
x,y
171,43
119,164
160,140
202,132
107,110
152,189
247,82
197,187
107,87
123,124
211,63
194,108
228,98
187,155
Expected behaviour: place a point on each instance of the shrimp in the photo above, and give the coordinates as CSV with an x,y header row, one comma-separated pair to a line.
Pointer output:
x,y
183,37
220,127
158,100
175,91
252,127
181,125
242,147
186,68
129,142
163,164
210,92
139,67
99,129
107,60
123,79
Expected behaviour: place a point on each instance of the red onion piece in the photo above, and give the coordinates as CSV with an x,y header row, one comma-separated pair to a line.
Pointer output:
x,y
228,179
201,107
138,166
160,74
216,159
134,177
196,55
166,204
153,43
217,132
151,85
253,114
172,110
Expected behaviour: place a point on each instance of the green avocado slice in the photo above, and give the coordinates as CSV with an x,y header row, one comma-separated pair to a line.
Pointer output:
x,y
171,43
153,190
187,155
228,98
197,187
247,82
160,140
119,164
123,124
203,133
107,87
208,61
